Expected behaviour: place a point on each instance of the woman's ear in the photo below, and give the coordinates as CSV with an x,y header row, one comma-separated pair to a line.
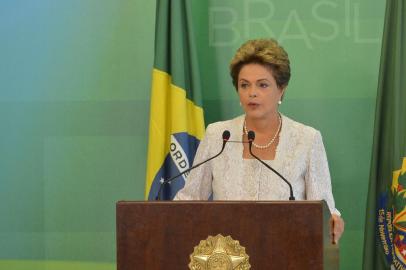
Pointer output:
x,y
283,92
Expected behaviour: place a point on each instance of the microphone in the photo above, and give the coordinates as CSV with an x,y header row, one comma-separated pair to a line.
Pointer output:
x,y
251,138
225,136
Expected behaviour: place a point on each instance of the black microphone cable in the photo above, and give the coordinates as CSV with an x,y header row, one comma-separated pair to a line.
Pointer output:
x,y
251,138
225,136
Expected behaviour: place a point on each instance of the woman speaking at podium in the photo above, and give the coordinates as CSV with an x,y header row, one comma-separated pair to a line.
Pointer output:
x,y
260,72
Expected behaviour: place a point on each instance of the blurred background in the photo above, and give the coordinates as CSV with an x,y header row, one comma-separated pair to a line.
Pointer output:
x,y
75,79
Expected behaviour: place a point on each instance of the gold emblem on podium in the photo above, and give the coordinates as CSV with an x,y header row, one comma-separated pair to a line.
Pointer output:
x,y
219,253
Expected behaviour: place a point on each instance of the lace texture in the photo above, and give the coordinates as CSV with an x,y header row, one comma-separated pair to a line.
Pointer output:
x,y
300,157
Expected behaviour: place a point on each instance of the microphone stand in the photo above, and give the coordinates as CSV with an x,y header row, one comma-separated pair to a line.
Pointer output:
x,y
251,137
226,136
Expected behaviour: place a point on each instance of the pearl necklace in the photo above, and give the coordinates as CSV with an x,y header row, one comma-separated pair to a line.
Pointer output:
x,y
273,139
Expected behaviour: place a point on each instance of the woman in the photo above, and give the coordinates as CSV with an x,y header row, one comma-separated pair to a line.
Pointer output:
x,y
260,71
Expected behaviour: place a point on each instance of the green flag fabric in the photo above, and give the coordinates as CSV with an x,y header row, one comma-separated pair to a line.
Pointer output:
x,y
385,227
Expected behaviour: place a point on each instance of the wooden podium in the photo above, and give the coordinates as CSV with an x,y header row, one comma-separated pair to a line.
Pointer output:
x,y
276,234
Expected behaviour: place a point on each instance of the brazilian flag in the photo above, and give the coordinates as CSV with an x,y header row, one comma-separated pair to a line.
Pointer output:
x,y
176,123
385,226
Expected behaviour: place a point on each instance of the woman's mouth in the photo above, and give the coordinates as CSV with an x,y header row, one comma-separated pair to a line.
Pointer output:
x,y
253,105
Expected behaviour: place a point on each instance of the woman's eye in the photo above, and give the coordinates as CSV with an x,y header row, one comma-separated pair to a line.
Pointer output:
x,y
244,85
263,85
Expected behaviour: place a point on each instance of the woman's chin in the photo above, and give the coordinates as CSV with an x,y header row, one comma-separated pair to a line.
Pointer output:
x,y
254,114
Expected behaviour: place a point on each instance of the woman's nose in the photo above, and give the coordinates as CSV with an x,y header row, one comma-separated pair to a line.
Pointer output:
x,y
252,91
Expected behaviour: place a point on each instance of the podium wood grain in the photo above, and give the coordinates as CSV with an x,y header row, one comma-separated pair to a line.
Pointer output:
x,y
276,235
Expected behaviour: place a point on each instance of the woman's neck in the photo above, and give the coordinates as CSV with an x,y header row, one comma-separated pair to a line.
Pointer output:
x,y
263,125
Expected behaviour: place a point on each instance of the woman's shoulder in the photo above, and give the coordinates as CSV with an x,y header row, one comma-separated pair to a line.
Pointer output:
x,y
220,126
300,129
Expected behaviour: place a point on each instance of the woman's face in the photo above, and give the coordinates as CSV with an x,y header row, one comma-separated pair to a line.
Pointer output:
x,y
258,91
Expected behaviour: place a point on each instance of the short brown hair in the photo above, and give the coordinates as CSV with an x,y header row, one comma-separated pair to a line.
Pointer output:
x,y
266,52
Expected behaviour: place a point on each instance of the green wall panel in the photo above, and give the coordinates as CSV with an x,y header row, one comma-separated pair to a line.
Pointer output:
x,y
74,102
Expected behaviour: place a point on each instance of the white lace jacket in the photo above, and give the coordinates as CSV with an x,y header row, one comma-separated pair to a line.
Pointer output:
x,y
300,158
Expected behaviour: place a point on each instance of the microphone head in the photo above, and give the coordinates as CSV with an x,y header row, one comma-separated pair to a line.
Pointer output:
x,y
251,135
226,135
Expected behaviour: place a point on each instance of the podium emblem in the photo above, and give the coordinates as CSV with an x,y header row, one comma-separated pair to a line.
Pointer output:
x,y
219,253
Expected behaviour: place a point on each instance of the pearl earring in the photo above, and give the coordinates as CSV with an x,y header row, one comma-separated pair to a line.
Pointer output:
x,y
280,102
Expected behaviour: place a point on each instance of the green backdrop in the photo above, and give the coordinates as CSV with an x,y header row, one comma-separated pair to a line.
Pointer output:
x,y
74,102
